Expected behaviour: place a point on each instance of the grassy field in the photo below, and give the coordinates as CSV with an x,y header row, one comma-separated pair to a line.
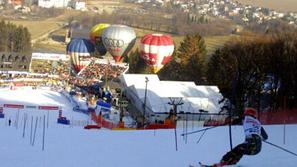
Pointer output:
x,y
279,5
215,42
38,28
52,48
110,5
212,43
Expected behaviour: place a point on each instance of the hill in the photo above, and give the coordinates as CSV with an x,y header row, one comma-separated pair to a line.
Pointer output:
x,y
283,5
55,41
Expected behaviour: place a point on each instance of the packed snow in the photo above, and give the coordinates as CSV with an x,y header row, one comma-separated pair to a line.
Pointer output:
x,y
73,146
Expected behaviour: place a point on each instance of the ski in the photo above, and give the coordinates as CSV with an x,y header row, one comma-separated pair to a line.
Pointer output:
x,y
200,165
204,165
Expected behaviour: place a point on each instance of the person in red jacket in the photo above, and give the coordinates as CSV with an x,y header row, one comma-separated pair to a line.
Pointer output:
x,y
254,134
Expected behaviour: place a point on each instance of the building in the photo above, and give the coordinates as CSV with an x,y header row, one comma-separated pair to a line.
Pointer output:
x,y
78,5
31,2
53,3
75,4
10,61
15,2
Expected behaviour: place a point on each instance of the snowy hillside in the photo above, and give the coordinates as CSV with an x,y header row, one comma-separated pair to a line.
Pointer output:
x,y
72,146
31,98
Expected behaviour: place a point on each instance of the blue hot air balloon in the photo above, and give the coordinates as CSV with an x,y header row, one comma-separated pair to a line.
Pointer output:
x,y
80,52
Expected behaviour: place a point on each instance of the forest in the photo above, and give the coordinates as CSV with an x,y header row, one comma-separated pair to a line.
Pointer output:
x,y
14,38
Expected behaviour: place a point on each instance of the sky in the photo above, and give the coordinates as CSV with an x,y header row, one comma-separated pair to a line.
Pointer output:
x,y
73,146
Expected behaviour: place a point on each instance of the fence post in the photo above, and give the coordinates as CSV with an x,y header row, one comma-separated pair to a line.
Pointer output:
x,y
25,122
43,136
36,122
47,118
31,130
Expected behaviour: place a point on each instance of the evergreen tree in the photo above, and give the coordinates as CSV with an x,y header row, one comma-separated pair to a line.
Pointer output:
x,y
26,43
192,54
221,70
136,63
14,38
11,39
3,36
171,70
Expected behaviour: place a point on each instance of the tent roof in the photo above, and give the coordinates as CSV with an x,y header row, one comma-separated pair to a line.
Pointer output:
x,y
158,93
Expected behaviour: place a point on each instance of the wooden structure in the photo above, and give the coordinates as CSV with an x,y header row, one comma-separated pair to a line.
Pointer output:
x,y
11,61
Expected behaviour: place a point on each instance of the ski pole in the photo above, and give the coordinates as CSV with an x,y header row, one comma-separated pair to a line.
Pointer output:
x,y
175,139
281,148
200,137
198,130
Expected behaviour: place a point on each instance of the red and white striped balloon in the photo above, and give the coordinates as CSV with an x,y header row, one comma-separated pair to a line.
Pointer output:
x,y
156,50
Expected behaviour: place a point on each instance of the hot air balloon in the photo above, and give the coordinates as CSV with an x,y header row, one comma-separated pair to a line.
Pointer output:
x,y
95,37
156,50
80,51
118,40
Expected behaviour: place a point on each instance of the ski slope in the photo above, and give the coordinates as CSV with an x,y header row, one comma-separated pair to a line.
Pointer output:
x,y
38,97
72,146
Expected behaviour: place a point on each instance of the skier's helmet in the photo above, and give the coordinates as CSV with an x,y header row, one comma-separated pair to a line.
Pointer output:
x,y
250,111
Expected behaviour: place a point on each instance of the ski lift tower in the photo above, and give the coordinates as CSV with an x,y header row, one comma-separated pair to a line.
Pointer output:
x,y
174,102
144,104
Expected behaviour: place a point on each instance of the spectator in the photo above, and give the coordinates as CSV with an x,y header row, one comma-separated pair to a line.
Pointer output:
x,y
9,122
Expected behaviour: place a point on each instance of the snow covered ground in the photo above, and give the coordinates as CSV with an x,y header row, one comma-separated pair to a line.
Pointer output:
x,y
72,146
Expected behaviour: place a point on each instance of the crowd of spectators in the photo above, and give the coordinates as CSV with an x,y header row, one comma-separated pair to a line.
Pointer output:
x,y
93,77
93,70
49,67
101,71
90,83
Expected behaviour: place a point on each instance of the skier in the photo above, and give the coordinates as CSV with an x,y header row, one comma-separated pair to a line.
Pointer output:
x,y
254,134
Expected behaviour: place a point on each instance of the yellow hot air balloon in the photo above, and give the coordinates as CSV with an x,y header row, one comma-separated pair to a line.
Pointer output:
x,y
95,37
97,30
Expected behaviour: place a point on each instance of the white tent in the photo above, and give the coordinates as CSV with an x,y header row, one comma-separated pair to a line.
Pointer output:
x,y
194,98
